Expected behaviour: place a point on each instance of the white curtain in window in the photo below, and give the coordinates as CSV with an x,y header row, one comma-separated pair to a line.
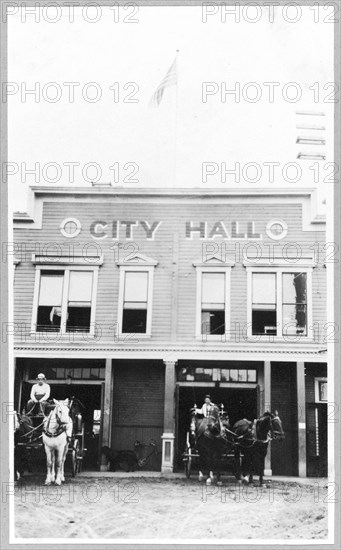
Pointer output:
x,y
136,286
213,288
51,289
80,286
264,288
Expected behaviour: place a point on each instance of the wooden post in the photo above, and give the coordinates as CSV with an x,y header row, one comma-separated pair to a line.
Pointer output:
x,y
301,418
168,418
267,406
107,407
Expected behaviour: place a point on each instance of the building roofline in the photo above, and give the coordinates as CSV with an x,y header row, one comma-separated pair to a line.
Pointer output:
x,y
173,192
39,194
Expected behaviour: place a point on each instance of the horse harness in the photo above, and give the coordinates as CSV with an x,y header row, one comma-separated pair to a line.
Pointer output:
x,y
61,426
250,435
254,433
34,429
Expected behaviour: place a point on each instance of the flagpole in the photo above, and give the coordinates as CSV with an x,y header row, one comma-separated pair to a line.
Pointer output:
x,y
176,120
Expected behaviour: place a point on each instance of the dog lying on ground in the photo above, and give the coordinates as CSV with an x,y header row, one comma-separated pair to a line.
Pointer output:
x,y
124,460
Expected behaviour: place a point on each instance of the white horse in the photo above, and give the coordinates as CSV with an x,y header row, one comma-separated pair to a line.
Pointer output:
x,y
56,434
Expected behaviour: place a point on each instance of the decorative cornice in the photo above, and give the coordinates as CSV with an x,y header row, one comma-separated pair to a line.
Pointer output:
x,y
138,259
38,195
180,192
213,261
22,217
182,349
279,262
60,259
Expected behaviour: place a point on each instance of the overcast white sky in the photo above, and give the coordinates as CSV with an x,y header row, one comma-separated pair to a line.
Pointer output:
x,y
107,132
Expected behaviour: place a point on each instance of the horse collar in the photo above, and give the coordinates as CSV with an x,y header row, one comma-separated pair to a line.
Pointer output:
x,y
54,435
61,426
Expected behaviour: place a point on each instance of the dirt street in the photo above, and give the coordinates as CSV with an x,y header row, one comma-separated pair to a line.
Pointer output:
x,y
160,509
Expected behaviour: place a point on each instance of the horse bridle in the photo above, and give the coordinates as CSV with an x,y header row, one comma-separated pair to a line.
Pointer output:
x,y
62,425
275,433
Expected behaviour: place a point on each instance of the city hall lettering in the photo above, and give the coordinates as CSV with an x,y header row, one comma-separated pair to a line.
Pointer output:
x,y
203,230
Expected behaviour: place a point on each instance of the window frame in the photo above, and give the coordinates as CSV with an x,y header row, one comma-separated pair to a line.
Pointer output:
x,y
317,380
227,309
279,270
66,268
136,268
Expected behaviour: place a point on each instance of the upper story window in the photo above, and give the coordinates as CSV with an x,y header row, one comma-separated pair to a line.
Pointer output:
x,y
294,303
135,300
279,302
213,298
65,301
264,302
213,302
50,301
65,296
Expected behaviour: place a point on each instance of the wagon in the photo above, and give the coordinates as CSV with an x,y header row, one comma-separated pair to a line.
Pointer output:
x,y
190,456
76,450
29,447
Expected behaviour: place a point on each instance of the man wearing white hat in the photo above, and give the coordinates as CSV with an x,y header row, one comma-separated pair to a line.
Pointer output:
x,y
206,408
39,394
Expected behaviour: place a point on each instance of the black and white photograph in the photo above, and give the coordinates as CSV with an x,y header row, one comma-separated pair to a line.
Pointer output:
x,y
170,274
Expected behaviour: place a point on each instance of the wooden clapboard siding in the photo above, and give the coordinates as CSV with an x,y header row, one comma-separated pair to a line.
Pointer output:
x,y
173,217
322,330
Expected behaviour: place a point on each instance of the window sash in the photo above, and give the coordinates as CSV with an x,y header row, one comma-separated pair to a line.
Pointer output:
x,y
80,286
216,304
65,306
51,289
79,304
264,284
140,299
213,287
135,305
212,307
136,286
291,297
303,308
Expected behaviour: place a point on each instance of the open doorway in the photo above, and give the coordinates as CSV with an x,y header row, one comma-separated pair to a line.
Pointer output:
x,y
238,403
90,398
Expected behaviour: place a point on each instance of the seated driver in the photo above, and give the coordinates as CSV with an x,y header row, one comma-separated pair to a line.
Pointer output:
x,y
40,393
206,408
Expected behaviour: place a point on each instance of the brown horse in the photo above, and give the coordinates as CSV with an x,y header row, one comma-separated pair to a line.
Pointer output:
x,y
211,443
253,440
25,433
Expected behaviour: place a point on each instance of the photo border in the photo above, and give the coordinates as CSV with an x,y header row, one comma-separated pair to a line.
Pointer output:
x,y
333,278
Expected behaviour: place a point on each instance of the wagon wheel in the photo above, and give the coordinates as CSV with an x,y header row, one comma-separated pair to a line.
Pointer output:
x,y
188,458
188,462
74,458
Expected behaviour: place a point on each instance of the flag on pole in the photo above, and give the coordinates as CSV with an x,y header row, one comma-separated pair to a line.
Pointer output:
x,y
169,80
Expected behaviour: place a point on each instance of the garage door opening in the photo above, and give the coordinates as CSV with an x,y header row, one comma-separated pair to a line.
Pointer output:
x,y
238,403
90,397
